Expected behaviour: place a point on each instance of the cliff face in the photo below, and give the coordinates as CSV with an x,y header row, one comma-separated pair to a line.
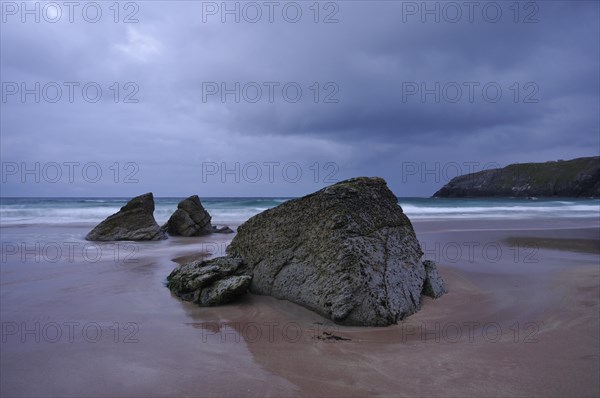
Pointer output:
x,y
571,178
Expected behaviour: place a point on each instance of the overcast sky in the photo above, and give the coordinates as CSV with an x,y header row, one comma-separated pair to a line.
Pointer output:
x,y
189,104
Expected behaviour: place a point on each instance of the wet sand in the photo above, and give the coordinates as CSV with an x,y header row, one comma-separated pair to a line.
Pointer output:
x,y
576,245
521,319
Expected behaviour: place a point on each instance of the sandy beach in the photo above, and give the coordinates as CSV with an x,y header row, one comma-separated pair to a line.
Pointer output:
x,y
520,319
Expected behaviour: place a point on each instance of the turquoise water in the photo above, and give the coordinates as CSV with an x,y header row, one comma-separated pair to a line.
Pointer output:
x,y
14,211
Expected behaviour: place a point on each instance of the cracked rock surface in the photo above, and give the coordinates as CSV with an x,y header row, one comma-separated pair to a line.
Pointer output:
x,y
347,252
211,282
190,219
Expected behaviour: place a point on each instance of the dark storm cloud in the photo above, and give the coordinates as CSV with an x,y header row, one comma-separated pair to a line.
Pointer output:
x,y
369,58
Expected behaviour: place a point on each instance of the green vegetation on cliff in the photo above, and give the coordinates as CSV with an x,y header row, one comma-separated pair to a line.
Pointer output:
x,y
564,178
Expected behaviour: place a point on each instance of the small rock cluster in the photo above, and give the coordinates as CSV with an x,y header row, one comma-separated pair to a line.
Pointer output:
x,y
347,252
135,221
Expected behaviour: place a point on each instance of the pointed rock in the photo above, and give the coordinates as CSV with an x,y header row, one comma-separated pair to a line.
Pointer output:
x,y
190,219
135,221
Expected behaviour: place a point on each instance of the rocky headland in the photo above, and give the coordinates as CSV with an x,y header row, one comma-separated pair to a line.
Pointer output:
x,y
578,178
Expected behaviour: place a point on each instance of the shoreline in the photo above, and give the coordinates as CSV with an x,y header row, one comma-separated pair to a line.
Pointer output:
x,y
521,323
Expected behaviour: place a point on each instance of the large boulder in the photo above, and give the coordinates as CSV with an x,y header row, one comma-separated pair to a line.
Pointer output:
x,y
135,221
190,219
210,282
347,252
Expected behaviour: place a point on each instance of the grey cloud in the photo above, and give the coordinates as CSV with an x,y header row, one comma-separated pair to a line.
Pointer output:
x,y
369,54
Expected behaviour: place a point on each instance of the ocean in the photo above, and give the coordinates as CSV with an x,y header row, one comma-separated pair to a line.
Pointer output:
x,y
24,211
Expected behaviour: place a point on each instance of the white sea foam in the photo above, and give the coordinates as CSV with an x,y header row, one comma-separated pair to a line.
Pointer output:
x,y
558,209
223,211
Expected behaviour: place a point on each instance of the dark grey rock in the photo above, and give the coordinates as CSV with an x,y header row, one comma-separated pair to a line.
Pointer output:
x,y
190,219
225,290
209,282
434,284
134,221
347,252
222,230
